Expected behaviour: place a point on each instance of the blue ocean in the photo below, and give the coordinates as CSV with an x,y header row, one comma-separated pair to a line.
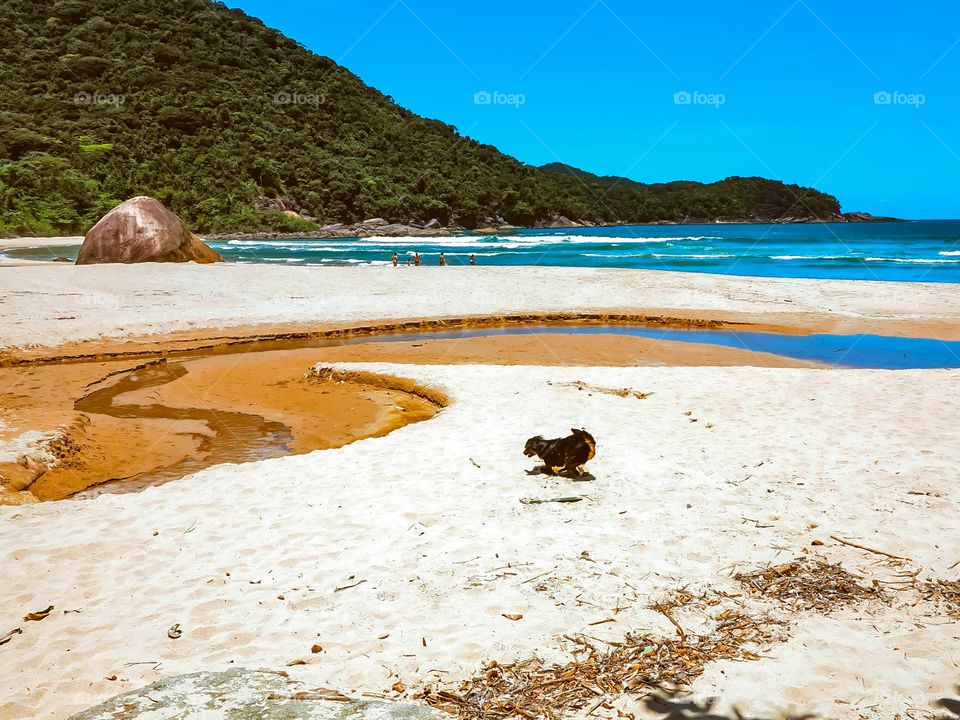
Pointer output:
x,y
927,251
916,251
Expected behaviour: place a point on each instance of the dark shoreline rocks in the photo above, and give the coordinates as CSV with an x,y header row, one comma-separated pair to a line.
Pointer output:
x,y
378,227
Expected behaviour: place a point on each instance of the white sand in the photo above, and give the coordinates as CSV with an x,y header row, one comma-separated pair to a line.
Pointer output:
x,y
432,536
40,242
52,304
437,540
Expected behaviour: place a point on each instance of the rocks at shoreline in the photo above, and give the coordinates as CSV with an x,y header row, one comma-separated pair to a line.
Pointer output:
x,y
867,217
141,230
559,221
374,227
378,227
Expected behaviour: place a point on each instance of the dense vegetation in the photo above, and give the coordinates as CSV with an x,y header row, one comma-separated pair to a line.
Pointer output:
x,y
101,100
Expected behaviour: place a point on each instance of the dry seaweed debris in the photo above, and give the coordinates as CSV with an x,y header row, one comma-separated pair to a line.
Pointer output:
x,y
643,664
619,392
809,584
943,591
639,664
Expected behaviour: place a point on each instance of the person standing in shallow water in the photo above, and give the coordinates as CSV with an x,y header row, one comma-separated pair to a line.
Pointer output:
x,y
396,260
473,259
416,259
443,260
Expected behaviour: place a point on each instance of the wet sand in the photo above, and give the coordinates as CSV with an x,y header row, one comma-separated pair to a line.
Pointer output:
x,y
557,349
278,336
120,431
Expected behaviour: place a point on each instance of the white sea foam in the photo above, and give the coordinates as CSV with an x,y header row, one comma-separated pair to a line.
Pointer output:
x,y
814,257
918,261
503,241
679,256
377,249
305,245
693,257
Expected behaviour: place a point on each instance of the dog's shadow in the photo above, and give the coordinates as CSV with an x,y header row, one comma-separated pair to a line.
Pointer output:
x,y
569,475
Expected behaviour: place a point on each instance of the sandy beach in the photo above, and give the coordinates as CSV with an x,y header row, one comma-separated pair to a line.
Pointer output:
x,y
410,559
54,304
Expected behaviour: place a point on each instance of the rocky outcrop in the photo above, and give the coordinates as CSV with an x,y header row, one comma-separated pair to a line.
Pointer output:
x,y
867,217
241,694
558,221
277,204
143,230
397,229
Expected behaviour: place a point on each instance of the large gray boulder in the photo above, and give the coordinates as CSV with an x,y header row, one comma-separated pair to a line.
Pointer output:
x,y
143,230
242,694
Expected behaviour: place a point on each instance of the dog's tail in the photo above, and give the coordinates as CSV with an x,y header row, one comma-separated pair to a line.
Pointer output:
x,y
581,433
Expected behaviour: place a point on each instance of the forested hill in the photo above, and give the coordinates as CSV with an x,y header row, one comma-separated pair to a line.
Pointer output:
x,y
209,110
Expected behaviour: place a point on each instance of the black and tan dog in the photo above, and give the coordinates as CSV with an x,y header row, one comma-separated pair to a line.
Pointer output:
x,y
563,455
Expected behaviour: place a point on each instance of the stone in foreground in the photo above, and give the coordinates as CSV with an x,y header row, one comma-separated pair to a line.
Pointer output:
x,y
143,230
242,694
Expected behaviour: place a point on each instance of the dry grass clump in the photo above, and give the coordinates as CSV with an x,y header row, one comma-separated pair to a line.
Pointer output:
x,y
639,664
809,584
943,591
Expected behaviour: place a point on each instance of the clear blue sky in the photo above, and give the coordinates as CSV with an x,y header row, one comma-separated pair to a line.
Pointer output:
x,y
598,79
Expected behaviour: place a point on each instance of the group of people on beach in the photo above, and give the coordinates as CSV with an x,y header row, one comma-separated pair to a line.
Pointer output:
x,y
415,260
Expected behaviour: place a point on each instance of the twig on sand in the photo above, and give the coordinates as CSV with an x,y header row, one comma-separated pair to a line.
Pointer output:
x,y
475,463
540,501
539,576
347,587
665,611
868,549
597,704
954,565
